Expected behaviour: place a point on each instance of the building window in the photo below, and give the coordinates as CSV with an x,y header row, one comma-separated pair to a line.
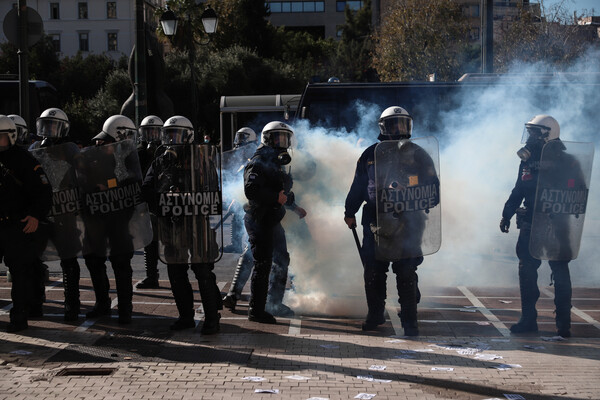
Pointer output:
x,y
111,10
471,10
354,5
83,11
112,41
276,7
84,41
54,10
55,37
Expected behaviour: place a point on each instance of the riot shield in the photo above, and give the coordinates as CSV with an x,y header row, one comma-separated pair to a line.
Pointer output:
x,y
189,204
115,215
66,225
408,199
561,200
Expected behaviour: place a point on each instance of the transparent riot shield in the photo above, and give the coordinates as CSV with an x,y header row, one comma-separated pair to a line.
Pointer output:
x,y
115,215
189,204
66,225
408,199
561,200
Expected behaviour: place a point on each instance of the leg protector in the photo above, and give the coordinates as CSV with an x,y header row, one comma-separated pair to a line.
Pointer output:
x,y
562,296
151,264
121,265
375,291
71,272
182,290
530,294
258,298
97,268
408,294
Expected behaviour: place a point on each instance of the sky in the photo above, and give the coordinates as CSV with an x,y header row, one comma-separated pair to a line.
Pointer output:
x,y
576,5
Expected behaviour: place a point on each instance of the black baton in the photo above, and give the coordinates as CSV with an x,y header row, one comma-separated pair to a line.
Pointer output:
x,y
358,246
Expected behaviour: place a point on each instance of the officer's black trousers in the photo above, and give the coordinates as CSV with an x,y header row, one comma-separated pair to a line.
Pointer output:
x,y
528,286
375,276
183,294
21,256
71,274
121,265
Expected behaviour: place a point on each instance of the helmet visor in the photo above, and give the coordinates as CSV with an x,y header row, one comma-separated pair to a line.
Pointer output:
x,y
175,135
397,126
533,133
150,133
52,128
281,139
22,135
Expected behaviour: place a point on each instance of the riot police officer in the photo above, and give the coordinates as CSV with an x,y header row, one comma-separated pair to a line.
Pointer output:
x,y
59,153
268,189
176,170
23,138
395,123
25,199
540,131
109,233
148,141
279,270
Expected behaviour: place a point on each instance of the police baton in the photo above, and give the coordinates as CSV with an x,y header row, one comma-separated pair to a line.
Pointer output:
x,y
358,246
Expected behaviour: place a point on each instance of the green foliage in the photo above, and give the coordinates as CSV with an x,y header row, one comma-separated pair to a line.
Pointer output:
x,y
354,51
418,38
553,40
42,60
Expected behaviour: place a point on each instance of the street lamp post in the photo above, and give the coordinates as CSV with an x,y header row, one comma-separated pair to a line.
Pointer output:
x,y
169,22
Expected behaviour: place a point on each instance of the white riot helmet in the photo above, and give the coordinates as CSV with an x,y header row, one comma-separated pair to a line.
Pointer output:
x,y
541,127
150,129
7,126
395,123
244,136
22,130
53,123
277,134
177,130
117,128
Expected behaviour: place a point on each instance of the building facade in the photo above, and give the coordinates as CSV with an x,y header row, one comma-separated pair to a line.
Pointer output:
x,y
90,27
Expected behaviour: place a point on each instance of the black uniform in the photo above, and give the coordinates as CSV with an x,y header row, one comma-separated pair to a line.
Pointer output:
x,y
24,191
63,230
107,234
264,179
176,174
524,193
146,156
363,190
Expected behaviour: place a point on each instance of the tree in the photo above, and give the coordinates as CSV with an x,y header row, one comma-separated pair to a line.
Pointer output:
x,y
553,39
354,50
418,38
43,60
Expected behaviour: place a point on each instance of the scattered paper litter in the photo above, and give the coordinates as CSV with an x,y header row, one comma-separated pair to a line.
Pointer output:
x,y
253,378
553,338
318,398
273,391
506,367
377,367
423,350
365,377
505,301
297,377
514,397
534,347
382,380
442,369
20,352
395,341
487,357
364,396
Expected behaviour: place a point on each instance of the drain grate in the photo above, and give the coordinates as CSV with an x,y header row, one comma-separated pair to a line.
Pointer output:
x,y
86,371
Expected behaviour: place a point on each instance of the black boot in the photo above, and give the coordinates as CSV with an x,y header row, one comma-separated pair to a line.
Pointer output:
x,y
562,297
375,291
529,296
97,268
408,297
211,297
183,295
151,264
121,265
71,273
258,299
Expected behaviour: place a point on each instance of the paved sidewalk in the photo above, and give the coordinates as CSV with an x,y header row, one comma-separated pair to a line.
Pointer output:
x,y
465,352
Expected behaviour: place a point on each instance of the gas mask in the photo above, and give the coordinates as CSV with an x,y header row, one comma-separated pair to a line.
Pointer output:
x,y
534,138
284,158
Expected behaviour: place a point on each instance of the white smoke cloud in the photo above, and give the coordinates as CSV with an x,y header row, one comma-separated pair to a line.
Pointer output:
x,y
478,168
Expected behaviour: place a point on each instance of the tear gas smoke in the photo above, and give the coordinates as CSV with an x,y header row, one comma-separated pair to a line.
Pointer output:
x,y
478,169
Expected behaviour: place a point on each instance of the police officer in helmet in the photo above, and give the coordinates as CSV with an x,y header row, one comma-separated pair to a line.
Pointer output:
x,y
25,200
395,123
539,131
148,142
267,187
167,168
